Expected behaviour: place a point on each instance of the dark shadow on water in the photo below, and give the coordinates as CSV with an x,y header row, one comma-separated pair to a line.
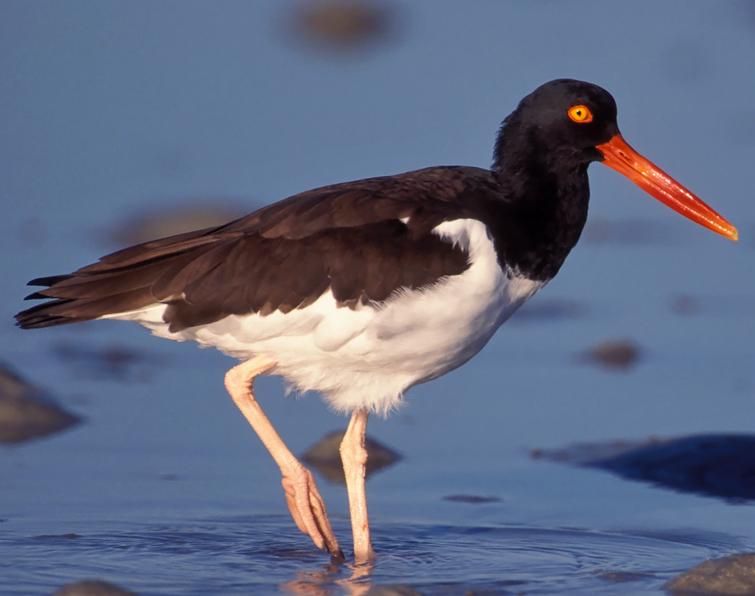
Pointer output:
x,y
266,554
472,499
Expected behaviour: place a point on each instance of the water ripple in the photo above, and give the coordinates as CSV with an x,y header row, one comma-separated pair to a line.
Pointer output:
x,y
265,553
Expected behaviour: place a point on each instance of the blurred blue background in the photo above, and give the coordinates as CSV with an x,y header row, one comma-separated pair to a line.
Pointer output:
x,y
109,110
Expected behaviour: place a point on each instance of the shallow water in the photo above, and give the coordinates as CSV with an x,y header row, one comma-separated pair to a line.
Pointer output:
x,y
164,489
253,554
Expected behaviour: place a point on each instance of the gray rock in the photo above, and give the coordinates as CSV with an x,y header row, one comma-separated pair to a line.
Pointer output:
x,y
25,413
734,574
720,465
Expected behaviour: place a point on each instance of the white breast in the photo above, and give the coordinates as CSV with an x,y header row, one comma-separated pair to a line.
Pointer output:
x,y
368,356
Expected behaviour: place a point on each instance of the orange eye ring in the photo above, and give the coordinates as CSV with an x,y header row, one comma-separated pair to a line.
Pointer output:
x,y
580,114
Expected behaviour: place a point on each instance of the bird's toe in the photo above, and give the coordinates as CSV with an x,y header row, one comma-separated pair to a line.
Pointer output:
x,y
308,511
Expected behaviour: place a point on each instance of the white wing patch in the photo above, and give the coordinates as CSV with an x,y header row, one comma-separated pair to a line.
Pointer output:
x,y
368,356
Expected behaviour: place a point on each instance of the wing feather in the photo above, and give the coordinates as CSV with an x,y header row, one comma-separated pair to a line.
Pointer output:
x,y
348,237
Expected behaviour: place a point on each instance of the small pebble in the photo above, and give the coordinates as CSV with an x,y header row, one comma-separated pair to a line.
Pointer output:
x,y
616,354
342,24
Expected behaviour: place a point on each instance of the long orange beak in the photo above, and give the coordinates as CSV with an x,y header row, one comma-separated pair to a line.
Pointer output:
x,y
619,156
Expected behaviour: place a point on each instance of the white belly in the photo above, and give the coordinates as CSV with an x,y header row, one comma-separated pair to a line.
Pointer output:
x,y
367,357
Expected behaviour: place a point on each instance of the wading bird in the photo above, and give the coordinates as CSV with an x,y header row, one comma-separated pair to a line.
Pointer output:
x,y
364,289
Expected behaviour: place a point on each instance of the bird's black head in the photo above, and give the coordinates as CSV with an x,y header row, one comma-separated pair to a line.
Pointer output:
x,y
559,123
545,145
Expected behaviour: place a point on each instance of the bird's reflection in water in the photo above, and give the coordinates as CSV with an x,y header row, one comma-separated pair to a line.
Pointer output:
x,y
321,582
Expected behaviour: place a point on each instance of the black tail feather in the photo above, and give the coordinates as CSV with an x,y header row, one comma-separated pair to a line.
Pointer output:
x,y
47,281
120,282
39,316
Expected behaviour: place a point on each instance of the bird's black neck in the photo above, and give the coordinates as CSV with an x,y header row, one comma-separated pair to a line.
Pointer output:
x,y
544,203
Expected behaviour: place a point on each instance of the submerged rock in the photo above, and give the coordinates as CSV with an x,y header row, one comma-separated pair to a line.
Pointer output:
x,y
718,465
583,454
175,220
626,232
624,577
685,305
553,309
92,587
324,457
614,354
342,24
118,363
25,413
734,574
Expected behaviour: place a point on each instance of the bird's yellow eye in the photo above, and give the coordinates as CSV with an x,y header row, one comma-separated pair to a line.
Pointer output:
x,y
580,114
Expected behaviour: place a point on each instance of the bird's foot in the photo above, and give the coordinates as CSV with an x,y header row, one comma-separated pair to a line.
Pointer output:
x,y
308,510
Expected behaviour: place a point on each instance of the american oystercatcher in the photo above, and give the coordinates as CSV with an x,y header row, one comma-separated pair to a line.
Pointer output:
x,y
363,289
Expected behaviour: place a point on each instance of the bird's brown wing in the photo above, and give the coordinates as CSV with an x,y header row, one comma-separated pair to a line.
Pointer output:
x,y
351,238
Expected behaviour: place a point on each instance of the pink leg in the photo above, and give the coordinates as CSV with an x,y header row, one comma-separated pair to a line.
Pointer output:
x,y
303,499
354,458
